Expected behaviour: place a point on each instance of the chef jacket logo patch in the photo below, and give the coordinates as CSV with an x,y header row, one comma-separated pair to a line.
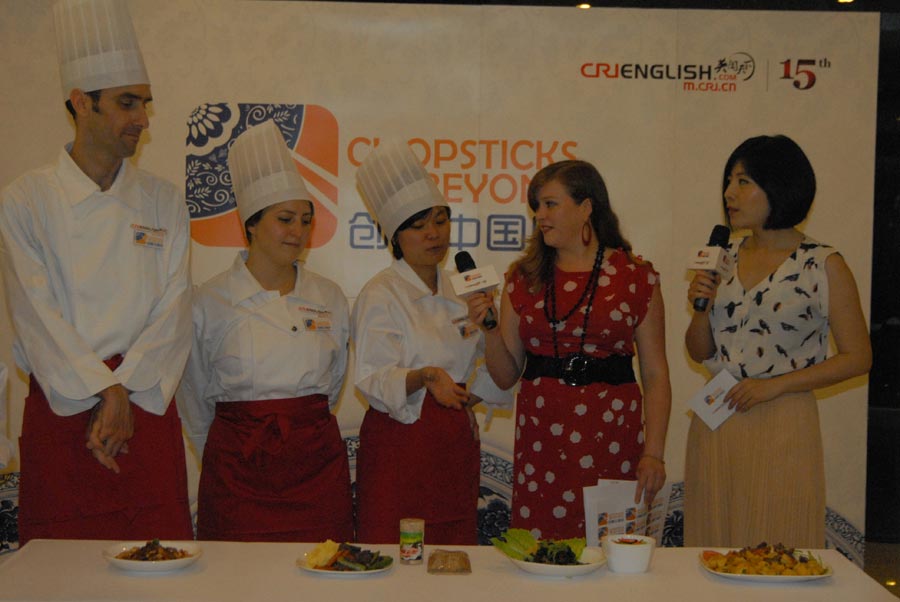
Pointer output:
x,y
317,324
145,236
310,131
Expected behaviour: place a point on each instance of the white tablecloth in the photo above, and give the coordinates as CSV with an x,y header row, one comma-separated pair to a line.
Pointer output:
x,y
76,570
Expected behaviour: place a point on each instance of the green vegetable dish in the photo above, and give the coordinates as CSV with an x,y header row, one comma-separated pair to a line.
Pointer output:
x,y
520,544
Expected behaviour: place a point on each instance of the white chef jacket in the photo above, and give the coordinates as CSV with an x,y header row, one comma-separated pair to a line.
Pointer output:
x,y
398,325
252,344
6,447
90,274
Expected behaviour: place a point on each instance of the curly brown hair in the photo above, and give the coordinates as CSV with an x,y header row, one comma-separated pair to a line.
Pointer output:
x,y
583,182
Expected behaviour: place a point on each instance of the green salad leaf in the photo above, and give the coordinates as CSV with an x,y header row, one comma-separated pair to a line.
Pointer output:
x,y
577,544
516,543
520,544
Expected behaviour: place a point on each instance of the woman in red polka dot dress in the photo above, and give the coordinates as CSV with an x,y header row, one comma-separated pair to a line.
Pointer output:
x,y
574,308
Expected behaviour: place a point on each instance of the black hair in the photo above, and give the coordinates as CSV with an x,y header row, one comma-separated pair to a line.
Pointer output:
x,y
95,103
252,221
406,225
780,167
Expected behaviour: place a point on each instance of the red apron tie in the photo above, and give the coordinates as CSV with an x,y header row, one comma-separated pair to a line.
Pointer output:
x,y
269,436
275,470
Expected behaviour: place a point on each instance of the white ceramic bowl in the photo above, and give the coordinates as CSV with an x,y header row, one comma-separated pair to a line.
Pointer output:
x,y
628,553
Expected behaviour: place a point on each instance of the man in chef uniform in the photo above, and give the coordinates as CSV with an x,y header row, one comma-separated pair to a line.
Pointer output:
x,y
94,256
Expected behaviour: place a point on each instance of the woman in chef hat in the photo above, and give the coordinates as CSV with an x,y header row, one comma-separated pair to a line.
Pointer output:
x,y
416,351
266,367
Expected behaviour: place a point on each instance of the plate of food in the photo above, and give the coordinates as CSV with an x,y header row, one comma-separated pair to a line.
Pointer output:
x,y
152,556
549,557
332,559
765,562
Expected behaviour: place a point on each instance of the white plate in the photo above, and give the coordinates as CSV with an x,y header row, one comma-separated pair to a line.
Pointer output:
x,y
591,559
301,562
152,566
770,578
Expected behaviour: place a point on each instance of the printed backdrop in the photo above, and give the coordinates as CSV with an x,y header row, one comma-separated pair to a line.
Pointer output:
x,y
657,99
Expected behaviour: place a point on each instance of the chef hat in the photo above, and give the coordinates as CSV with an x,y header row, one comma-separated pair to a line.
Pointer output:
x,y
263,172
395,185
96,46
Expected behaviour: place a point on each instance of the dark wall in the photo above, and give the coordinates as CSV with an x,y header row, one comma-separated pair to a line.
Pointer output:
x,y
883,466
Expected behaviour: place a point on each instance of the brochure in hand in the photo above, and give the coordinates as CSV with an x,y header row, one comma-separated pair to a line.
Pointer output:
x,y
610,509
709,403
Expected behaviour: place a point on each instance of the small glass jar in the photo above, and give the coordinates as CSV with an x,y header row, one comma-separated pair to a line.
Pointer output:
x,y
412,540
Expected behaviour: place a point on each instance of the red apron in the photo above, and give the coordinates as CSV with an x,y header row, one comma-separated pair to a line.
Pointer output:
x,y
275,470
428,469
66,494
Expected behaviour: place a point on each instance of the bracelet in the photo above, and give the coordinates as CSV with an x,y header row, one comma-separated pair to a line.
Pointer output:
x,y
658,459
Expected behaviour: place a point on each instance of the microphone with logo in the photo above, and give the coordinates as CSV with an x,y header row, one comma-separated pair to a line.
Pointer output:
x,y
471,280
712,257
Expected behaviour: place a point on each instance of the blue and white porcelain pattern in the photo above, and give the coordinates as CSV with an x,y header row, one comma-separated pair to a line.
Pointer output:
x,y
212,127
207,123
9,512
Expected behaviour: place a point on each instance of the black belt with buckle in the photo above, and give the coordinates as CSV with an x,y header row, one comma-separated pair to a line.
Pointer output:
x,y
578,369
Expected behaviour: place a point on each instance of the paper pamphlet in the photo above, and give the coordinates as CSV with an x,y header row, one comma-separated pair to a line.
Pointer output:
x,y
609,509
709,403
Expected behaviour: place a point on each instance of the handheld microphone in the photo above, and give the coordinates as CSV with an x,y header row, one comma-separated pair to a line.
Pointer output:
x,y
717,238
465,263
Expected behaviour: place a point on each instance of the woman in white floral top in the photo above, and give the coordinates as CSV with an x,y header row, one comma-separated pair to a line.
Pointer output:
x,y
760,476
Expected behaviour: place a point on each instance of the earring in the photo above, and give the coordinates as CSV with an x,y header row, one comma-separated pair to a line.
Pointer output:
x,y
587,237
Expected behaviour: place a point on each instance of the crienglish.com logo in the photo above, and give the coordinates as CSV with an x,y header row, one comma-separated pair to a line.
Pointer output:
x,y
310,131
723,75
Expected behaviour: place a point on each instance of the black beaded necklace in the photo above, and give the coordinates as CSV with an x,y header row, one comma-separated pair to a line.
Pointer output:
x,y
579,360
